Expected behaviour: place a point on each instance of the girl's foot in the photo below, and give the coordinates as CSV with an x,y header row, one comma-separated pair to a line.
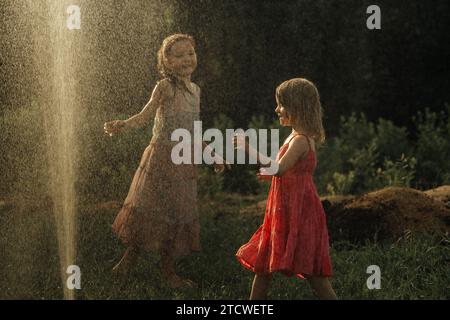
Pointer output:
x,y
124,265
121,269
169,276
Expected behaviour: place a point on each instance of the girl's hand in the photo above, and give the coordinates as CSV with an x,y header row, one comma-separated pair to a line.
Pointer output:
x,y
263,175
239,142
114,127
219,168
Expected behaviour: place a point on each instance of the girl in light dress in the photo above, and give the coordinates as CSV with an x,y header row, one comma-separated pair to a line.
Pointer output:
x,y
160,211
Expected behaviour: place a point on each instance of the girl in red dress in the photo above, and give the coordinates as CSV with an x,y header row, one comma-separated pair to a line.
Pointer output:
x,y
293,239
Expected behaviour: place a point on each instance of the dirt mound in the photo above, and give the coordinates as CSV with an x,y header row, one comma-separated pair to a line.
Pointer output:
x,y
386,214
441,193
336,202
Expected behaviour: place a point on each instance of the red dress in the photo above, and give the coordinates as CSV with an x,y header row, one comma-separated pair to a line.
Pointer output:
x,y
293,238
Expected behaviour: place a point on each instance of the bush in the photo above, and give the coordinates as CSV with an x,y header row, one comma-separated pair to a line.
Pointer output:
x,y
433,148
209,183
241,178
365,157
392,141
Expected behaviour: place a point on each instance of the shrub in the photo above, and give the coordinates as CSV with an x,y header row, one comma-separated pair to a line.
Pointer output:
x,y
365,157
433,148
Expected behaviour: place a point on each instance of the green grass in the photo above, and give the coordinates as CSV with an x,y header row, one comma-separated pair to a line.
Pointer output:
x,y
414,267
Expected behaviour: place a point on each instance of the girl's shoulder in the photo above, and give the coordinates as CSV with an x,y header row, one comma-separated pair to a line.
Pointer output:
x,y
302,143
165,84
165,88
196,88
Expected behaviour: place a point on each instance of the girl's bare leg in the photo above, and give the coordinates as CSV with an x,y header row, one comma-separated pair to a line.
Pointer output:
x,y
169,275
127,261
322,288
260,287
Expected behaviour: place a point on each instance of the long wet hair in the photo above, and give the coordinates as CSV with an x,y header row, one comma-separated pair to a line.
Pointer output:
x,y
301,100
164,51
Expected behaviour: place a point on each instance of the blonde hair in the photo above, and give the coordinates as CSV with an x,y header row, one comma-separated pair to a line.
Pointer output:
x,y
301,99
164,51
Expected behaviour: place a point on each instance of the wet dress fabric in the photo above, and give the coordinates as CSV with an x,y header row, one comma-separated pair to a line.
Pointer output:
x,y
293,238
160,213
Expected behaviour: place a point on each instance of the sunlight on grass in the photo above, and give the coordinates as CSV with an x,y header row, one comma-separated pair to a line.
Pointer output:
x,y
412,268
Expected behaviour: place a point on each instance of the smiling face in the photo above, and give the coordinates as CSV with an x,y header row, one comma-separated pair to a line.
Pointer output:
x,y
181,58
283,115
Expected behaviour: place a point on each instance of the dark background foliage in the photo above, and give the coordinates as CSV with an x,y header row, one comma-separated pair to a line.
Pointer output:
x,y
245,49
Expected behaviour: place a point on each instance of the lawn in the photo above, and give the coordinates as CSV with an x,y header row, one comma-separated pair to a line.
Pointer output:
x,y
415,266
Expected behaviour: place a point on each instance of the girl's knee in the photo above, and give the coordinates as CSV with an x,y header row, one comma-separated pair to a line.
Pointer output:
x,y
322,288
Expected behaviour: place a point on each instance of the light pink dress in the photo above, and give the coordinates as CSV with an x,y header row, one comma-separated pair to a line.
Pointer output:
x,y
160,212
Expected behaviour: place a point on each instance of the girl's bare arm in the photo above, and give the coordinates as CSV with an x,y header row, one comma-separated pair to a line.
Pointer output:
x,y
148,112
298,147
